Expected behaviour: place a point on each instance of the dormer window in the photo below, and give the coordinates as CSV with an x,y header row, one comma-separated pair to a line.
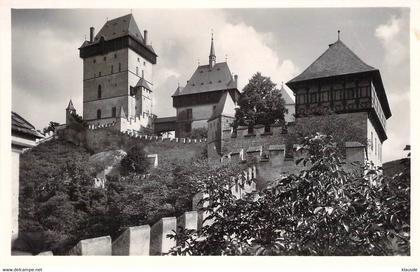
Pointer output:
x,y
218,69
210,82
201,71
220,81
202,83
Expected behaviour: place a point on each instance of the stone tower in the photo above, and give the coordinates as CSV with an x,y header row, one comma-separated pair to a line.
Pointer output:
x,y
117,74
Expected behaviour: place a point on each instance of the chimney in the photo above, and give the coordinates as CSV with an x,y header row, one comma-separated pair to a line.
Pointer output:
x,y
92,33
236,78
145,37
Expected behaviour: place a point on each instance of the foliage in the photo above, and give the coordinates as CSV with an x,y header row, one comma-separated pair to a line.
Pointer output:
x,y
323,210
198,133
59,205
260,103
51,127
135,162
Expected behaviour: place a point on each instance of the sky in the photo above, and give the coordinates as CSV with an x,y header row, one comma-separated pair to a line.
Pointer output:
x,y
278,42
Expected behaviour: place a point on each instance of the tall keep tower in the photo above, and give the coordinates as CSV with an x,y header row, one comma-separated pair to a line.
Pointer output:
x,y
117,74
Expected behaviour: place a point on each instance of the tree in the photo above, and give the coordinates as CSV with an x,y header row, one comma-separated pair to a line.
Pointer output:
x,y
321,211
198,133
135,161
51,127
260,103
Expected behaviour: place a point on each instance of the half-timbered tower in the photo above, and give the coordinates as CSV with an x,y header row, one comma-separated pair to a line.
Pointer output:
x,y
340,81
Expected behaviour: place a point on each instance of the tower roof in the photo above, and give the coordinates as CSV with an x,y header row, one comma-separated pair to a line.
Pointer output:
x,y
70,106
338,59
206,79
119,27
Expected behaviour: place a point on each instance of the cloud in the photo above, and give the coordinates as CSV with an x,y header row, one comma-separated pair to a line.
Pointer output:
x,y
390,36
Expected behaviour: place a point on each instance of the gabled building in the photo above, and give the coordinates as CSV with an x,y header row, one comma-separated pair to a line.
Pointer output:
x,y
289,104
24,135
196,102
340,81
118,74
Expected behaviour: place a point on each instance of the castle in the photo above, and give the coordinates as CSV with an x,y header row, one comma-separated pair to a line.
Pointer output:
x,y
118,110
118,94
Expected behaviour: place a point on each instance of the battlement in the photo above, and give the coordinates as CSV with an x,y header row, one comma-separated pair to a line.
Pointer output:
x,y
256,131
137,135
103,125
120,124
272,161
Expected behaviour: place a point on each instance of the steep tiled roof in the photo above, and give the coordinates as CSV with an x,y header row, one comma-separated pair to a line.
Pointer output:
x,y
20,125
338,59
119,27
205,79
178,91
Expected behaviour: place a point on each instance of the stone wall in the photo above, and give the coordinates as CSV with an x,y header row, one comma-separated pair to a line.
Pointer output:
x,y
242,139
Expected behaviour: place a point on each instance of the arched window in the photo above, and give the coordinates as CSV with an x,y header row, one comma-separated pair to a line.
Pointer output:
x,y
112,69
98,114
99,91
119,67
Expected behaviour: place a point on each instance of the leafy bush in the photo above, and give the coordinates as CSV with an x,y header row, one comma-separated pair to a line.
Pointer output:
x,y
321,211
135,162
199,133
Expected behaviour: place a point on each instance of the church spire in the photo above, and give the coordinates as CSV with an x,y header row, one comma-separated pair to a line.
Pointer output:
x,y
212,56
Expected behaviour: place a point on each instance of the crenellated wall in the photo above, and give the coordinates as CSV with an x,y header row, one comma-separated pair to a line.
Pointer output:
x,y
243,138
272,163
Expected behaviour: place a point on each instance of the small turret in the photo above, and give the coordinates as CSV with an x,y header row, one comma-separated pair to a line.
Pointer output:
x,y
70,110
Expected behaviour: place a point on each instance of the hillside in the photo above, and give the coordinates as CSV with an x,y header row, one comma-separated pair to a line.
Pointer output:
x,y
60,206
